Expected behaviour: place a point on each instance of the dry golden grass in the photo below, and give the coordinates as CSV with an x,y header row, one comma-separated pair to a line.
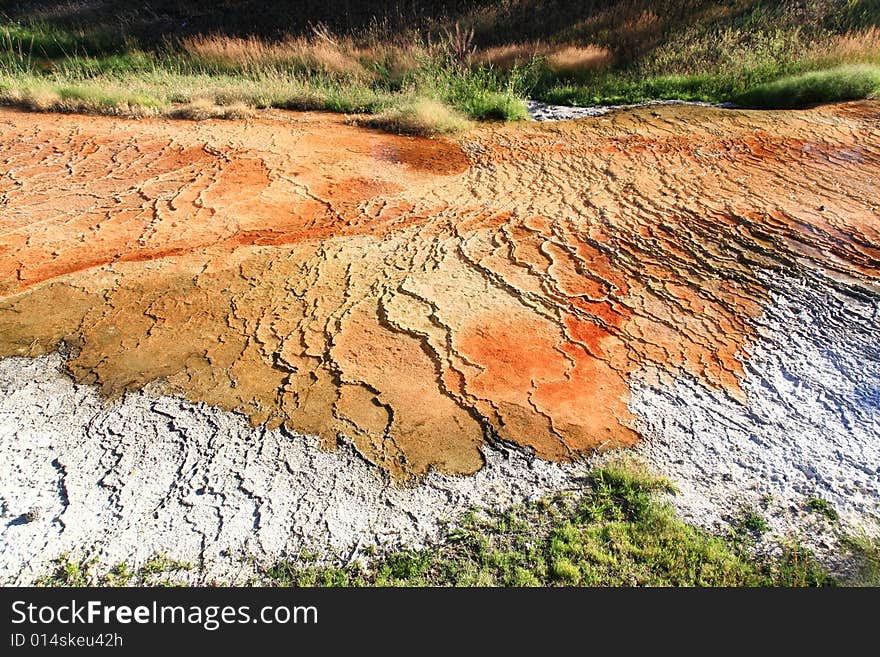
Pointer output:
x,y
397,59
565,60
638,35
255,55
861,47
575,60
507,56
77,99
422,116
644,23
84,99
338,57
204,108
37,99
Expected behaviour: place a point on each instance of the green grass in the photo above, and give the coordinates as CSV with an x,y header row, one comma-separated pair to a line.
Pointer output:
x,y
822,507
479,93
70,572
752,521
137,90
41,40
814,87
618,531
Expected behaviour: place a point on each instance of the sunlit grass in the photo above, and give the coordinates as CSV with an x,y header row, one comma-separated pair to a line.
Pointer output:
x,y
421,116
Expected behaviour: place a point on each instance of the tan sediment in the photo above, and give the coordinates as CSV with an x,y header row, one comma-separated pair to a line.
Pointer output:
x,y
422,295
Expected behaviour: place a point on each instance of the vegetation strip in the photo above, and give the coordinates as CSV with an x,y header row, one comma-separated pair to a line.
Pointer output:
x,y
429,75
618,530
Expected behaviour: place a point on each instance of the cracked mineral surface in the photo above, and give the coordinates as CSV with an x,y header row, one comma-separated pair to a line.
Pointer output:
x,y
420,295
691,275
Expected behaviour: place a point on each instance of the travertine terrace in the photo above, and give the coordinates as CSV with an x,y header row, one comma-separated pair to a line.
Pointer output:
x,y
423,296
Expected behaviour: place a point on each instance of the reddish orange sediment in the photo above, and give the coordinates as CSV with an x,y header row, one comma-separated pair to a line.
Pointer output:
x,y
422,295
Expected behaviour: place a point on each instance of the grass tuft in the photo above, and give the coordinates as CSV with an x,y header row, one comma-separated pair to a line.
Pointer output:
x,y
752,521
822,507
422,116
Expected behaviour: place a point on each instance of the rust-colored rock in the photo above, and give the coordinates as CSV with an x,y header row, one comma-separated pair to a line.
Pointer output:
x,y
423,295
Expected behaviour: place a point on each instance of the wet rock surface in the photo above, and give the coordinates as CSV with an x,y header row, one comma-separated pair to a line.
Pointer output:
x,y
546,112
563,287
